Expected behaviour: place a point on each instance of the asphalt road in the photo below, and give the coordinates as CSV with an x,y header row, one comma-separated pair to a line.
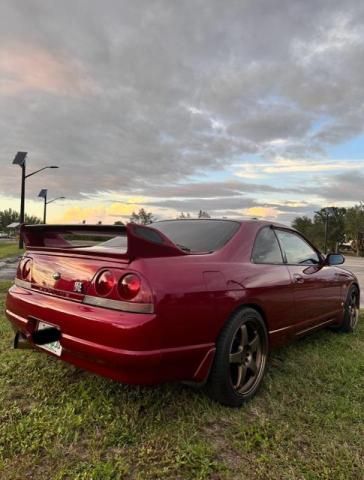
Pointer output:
x,y
353,264
8,268
356,265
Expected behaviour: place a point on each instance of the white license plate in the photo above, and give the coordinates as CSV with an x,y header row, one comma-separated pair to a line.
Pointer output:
x,y
54,347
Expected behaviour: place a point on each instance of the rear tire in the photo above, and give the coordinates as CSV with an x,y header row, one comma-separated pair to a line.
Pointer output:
x,y
240,359
351,311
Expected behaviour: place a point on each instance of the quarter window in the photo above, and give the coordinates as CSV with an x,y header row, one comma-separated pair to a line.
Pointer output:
x,y
266,248
296,249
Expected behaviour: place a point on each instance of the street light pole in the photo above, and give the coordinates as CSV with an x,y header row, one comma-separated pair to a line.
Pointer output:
x,y
22,200
20,159
326,230
45,210
328,211
44,194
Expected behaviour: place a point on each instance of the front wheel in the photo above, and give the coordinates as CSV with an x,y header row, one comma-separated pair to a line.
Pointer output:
x,y
240,359
351,311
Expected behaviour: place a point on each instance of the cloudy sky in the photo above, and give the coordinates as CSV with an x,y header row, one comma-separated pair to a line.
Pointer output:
x,y
241,108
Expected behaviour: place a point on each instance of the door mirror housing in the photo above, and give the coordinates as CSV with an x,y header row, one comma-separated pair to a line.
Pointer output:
x,y
333,259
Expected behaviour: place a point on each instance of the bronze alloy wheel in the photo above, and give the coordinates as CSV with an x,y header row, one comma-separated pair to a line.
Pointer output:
x,y
247,357
353,309
240,358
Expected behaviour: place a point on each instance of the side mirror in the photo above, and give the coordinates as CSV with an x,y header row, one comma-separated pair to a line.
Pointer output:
x,y
333,259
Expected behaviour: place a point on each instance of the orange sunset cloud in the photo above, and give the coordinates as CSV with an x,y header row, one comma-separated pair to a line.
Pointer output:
x,y
107,213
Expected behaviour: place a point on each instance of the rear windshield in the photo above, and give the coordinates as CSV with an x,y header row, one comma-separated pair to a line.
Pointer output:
x,y
119,243
198,235
189,235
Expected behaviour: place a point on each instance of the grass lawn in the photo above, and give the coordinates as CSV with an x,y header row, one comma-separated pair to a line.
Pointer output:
x,y
9,250
307,422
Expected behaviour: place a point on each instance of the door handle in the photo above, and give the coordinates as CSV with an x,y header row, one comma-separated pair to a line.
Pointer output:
x,y
298,278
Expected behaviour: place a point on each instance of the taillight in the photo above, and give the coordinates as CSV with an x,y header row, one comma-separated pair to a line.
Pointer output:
x,y
129,286
25,269
104,283
118,290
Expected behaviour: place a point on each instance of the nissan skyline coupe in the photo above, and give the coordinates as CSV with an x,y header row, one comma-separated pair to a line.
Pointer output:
x,y
200,301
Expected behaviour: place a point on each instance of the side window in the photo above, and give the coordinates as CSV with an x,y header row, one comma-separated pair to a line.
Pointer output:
x,y
296,249
266,248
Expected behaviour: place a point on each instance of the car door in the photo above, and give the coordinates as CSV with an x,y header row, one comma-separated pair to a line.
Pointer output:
x,y
269,282
316,289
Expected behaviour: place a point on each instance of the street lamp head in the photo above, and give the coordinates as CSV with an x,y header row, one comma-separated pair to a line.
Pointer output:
x,y
19,158
43,193
53,166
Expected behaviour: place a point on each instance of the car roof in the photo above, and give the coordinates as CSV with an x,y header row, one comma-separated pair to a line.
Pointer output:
x,y
268,223
242,221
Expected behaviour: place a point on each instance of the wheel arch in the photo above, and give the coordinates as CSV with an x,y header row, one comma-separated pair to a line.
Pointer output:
x,y
356,285
220,382
253,305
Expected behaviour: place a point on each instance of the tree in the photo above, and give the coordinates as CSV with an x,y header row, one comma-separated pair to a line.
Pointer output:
x,y
315,230
203,214
183,216
354,226
334,220
305,226
32,220
118,223
7,217
143,217
11,216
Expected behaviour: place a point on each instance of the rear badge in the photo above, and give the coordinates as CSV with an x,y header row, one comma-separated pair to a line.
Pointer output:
x,y
78,287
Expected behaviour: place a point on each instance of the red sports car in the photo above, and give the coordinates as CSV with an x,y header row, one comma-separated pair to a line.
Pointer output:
x,y
189,300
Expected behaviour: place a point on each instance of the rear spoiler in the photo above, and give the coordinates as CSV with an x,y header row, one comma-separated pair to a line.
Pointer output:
x,y
143,241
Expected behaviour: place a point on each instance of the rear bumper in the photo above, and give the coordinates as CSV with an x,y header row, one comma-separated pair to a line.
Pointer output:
x,y
123,346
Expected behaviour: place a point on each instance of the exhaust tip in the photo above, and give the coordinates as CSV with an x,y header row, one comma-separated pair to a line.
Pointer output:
x,y
47,335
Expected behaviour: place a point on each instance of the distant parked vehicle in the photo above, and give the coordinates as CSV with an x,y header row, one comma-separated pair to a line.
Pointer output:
x,y
4,235
346,247
187,300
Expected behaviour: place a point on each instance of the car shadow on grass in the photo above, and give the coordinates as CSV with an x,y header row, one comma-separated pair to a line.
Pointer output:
x,y
164,397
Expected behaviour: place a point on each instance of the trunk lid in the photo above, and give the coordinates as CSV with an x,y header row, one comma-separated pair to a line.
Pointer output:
x,y
65,275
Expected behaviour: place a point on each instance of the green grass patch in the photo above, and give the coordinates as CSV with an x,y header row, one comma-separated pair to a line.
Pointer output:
x,y
307,422
9,250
